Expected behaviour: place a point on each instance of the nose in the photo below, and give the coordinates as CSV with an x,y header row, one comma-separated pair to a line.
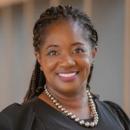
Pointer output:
x,y
67,61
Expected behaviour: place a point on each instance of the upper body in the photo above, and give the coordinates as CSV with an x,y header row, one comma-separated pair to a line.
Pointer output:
x,y
38,115
65,44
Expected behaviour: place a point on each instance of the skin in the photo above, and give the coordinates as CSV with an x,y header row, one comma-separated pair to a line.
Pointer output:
x,y
65,51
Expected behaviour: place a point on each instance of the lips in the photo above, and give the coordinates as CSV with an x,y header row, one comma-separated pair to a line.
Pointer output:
x,y
68,76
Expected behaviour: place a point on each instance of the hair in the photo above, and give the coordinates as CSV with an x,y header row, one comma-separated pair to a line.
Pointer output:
x,y
49,16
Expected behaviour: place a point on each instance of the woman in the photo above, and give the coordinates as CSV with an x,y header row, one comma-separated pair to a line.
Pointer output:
x,y
59,96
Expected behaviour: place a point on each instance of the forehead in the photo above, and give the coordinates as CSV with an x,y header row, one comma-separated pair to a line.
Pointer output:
x,y
65,26
64,31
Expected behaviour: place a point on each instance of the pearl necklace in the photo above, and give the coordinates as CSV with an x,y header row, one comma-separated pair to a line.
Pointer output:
x,y
73,116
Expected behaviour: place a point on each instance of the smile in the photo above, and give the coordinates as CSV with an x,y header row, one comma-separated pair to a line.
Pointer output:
x,y
67,76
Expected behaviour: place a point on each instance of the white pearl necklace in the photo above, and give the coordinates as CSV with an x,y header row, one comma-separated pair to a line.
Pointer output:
x,y
73,116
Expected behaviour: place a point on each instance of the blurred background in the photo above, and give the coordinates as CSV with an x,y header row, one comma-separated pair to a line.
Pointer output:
x,y
111,77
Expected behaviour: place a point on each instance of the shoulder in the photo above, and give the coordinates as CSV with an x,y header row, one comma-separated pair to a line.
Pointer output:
x,y
17,115
118,112
5,116
117,109
16,109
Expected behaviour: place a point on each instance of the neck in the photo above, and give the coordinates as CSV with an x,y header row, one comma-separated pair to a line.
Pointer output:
x,y
74,100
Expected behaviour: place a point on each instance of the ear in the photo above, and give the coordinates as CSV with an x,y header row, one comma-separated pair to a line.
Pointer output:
x,y
94,52
37,55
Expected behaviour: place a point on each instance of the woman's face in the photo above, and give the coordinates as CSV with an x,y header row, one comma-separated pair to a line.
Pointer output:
x,y
65,57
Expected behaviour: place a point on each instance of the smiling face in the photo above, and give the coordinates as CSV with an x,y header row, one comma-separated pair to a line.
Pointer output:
x,y
65,57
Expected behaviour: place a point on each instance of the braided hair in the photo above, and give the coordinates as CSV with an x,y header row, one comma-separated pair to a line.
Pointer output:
x,y
49,16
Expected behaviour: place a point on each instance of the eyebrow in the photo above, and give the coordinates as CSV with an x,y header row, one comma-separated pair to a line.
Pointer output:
x,y
77,43
54,45
73,44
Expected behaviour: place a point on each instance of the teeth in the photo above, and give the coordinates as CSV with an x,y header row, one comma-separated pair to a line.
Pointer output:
x,y
67,75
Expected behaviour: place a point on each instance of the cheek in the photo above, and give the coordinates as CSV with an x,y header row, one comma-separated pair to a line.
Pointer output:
x,y
85,62
48,66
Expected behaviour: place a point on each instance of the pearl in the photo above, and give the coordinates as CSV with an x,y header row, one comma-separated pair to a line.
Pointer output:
x,y
62,109
52,98
91,104
69,114
81,122
57,104
65,111
54,101
77,119
60,106
92,124
73,116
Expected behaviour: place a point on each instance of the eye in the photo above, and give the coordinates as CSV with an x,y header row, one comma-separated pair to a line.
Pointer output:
x,y
79,50
52,53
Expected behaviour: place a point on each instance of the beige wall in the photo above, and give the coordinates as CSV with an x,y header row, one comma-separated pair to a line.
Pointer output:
x,y
4,3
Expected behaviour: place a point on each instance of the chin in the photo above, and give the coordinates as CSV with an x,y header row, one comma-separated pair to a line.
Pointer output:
x,y
69,89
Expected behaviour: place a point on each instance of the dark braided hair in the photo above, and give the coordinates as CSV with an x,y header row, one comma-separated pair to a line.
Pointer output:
x,y
51,15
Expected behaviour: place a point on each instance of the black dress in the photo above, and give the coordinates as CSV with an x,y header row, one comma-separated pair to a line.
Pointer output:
x,y
38,115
